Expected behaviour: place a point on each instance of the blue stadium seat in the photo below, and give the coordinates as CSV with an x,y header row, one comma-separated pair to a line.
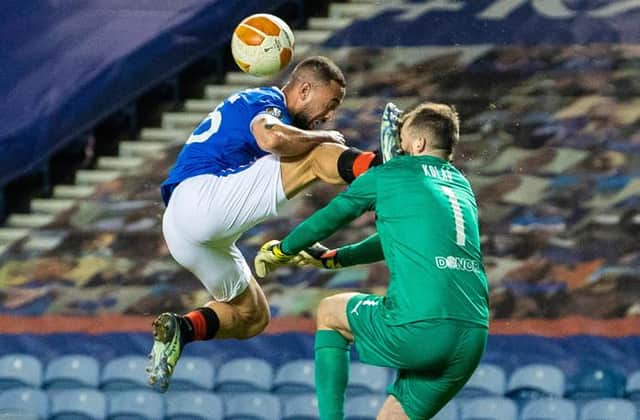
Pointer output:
x,y
367,379
363,407
549,409
19,370
536,381
487,380
252,406
193,405
83,404
245,375
19,415
449,411
192,373
594,383
72,371
632,389
295,377
124,373
489,408
608,409
300,407
136,405
25,402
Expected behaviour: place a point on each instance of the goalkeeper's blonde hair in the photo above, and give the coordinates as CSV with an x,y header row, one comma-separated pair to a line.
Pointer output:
x,y
440,121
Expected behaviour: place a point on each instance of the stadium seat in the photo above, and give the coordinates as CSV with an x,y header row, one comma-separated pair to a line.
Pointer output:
x,y
489,408
192,373
449,411
536,381
549,409
72,371
632,389
24,402
252,406
487,380
84,404
124,373
245,375
193,405
367,379
295,377
136,405
19,370
594,383
363,407
608,409
300,407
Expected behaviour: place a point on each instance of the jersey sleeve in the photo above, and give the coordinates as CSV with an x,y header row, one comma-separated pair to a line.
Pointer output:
x,y
346,206
367,251
270,105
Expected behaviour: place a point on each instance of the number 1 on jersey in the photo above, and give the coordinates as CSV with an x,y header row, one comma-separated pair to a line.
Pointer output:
x,y
457,215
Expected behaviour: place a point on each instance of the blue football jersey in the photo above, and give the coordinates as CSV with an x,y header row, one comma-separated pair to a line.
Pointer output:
x,y
223,143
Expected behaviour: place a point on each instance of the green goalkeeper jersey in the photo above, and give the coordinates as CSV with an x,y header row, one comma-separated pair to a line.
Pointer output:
x,y
427,222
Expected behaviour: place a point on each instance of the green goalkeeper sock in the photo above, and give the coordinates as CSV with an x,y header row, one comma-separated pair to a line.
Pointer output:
x,y
332,373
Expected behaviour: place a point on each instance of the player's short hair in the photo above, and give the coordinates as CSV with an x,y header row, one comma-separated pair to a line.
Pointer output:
x,y
322,68
439,120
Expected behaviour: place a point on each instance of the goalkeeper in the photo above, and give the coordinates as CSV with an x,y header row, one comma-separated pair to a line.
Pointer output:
x,y
432,325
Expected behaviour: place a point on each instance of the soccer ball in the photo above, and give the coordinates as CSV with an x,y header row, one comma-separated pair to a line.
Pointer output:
x,y
262,44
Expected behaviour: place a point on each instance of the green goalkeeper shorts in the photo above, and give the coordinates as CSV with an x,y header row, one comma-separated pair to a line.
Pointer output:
x,y
434,358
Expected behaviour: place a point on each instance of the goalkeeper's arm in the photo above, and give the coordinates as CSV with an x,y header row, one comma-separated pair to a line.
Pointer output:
x,y
366,251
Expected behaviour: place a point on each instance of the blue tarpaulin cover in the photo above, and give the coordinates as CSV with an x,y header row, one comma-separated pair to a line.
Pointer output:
x,y
66,64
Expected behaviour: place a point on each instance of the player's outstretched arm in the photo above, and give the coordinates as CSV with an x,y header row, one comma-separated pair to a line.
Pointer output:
x,y
273,136
367,251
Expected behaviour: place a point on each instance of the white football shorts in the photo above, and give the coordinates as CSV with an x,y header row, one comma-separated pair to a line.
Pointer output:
x,y
208,213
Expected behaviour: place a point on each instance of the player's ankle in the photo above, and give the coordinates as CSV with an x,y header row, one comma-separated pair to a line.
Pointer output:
x,y
200,324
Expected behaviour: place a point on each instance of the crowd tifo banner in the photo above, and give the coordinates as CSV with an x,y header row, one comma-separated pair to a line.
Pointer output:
x,y
498,22
67,64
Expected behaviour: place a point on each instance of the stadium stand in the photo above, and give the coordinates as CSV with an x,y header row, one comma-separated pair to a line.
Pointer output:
x,y
195,373
367,379
550,142
549,409
245,375
17,370
363,407
295,377
72,371
608,409
252,406
300,407
487,380
489,408
193,405
136,405
593,382
24,402
536,381
632,387
85,404
124,373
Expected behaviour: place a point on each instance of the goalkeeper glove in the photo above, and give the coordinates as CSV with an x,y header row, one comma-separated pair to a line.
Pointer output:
x,y
318,255
269,257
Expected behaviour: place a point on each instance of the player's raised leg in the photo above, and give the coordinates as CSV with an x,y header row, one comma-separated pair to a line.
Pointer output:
x,y
329,162
242,317
338,164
